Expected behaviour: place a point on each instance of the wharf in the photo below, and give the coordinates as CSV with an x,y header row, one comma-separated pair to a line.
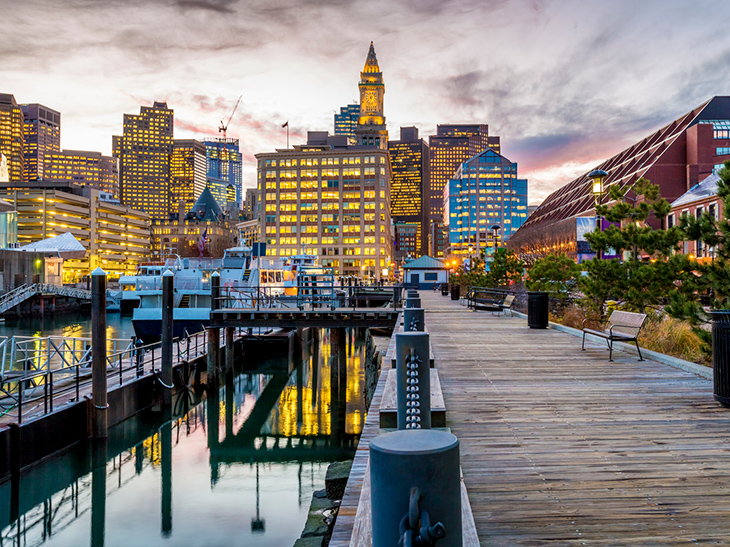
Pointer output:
x,y
560,446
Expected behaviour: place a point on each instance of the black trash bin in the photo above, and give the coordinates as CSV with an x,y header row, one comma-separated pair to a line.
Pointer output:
x,y
721,355
537,309
455,292
444,289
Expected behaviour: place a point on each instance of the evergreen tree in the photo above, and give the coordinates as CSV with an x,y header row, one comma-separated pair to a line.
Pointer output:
x,y
505,268
555,274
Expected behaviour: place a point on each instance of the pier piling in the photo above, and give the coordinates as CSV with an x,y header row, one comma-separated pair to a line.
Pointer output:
x,y
166,339
214,345
413,385
99,426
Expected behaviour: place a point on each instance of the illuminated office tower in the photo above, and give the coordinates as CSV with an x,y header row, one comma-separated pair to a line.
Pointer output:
x,y
144,151
42,132
12,140
371,130
485,203
83,168
346,121
187,172
409,159
225,165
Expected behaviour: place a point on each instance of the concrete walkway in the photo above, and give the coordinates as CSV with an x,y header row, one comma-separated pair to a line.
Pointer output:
x,y
562,447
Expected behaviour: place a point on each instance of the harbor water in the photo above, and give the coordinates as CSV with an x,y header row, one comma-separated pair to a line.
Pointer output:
x,y
238,467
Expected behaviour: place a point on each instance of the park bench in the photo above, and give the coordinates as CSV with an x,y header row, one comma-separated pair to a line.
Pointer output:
x,y
622,326
493,303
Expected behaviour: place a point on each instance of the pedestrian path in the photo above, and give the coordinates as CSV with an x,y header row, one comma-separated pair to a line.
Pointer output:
x,y
562,447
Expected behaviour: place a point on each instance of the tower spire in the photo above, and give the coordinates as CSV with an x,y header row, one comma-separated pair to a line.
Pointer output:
x,y
371,63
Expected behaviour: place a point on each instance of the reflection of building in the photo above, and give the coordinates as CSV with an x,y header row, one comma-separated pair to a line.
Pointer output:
x,y
144,151
42,131
676,157
225,165
346,121
484,192
84,168
115,237
203,230
409,159
12,140
187,172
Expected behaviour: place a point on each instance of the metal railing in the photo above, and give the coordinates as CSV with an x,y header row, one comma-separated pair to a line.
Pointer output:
x,y
20,294
43,372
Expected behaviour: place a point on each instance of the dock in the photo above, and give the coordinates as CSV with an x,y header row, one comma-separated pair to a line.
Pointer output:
x,y
562,447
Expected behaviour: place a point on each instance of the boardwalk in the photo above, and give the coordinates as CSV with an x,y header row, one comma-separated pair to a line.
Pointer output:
x,y
561,447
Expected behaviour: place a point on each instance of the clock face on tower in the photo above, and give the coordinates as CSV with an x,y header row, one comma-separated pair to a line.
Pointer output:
x,y
371,97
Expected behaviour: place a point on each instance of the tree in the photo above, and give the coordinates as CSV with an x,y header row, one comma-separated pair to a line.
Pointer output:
x,y
555,274
505,268
649,270
711,277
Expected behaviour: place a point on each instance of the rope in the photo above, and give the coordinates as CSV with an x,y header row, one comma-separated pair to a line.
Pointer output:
x,y
100,407
164,384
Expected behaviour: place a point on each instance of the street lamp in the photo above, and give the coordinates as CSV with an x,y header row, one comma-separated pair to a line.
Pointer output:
x,y
471,260
597,176
495,234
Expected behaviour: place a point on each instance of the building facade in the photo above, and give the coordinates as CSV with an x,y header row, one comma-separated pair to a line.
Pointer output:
x,y
676,158
410,164
484,198
83,168
12,139
144,150
250,209
371,129
42,134
248,232
116,237
188,171
346,121
225,165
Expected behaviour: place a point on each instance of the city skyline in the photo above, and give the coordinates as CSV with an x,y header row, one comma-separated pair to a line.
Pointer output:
x,y
565,84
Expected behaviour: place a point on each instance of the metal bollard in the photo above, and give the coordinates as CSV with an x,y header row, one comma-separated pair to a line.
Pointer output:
x,y
214,334
99,425
413,385
414,482
412,302
166,336
413,319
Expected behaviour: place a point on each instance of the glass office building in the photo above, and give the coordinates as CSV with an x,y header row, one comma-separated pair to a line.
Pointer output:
x,y
485,193
225,165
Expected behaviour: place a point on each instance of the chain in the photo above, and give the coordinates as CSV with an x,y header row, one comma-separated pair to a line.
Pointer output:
x,y
415,527
413,398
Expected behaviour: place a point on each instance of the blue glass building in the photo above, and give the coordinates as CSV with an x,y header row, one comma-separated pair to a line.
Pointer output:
x,y
225,165
484,203
346,120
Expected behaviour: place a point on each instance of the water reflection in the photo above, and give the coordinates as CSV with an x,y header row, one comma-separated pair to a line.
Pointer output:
x,y
255,449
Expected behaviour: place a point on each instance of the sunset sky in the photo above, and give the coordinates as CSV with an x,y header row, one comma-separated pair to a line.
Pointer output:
x,y
565,83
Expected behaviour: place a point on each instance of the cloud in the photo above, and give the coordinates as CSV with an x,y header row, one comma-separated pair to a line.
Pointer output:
x,y
218,6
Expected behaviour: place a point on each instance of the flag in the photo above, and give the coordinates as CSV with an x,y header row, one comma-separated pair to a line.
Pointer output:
x,y
286,124
202,242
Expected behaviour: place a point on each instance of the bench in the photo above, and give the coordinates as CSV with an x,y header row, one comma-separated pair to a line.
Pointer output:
x,y
493,305
622,326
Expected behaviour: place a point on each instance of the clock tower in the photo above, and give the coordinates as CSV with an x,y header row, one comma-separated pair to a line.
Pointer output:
x,y
371,129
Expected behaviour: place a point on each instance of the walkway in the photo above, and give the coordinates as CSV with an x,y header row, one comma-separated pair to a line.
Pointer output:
x,y
562,447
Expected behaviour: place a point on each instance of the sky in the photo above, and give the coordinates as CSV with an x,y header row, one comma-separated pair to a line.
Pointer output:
x,y
564,83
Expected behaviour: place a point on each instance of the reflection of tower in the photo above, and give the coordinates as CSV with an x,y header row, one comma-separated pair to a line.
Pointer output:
x,y
338,383
257,524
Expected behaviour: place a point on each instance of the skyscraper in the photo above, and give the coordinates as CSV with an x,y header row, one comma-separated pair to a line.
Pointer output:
x,y
225,166
187,172
144,151
83,168
346,121
371,130
410,162
12,140
484,198
251,204
42,132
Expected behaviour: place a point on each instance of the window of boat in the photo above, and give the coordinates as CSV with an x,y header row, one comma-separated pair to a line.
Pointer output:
x,y
278,276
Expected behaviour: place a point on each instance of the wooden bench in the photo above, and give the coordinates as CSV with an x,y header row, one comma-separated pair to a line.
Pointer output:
x,y
622,326
492,305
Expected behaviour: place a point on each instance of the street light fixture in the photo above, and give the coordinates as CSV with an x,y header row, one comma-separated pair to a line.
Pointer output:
x,y
495,234
597,176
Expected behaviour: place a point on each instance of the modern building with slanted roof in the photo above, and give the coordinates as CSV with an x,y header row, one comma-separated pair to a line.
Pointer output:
x,y
676,157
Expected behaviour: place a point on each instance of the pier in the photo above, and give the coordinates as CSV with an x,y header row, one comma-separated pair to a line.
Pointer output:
x,y
560,446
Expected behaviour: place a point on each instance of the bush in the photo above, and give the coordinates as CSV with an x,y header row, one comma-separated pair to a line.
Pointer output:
x,y
674,337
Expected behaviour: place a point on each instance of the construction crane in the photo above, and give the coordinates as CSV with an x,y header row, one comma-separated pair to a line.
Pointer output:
x,y
224,127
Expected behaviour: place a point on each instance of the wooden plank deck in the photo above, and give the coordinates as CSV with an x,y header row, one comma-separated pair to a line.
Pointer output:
x,y
562,447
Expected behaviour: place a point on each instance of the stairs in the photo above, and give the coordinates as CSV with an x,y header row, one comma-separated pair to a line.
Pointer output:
x,y
246,274
185,301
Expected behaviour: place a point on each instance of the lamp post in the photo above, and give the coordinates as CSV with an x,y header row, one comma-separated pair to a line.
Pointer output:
x,y
597,176
495,235
471,259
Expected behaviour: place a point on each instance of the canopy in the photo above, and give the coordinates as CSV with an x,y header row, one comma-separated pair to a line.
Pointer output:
x,y
65,245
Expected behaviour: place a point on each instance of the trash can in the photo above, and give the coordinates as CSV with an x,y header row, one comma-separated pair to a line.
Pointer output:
x,y
455,292
537,309
721,355
444,289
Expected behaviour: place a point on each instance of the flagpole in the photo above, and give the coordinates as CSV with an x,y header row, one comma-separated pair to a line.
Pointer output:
x,y
287,135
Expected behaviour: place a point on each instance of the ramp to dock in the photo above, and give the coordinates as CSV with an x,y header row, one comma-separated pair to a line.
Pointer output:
x,y
562,447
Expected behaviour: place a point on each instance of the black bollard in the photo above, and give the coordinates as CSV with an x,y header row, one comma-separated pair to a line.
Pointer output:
x,y
424,461
413,302
413,319
214,333
168,279
99,426
413,385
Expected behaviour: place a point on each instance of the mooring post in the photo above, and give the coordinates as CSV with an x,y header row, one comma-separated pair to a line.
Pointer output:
x,y
99,425
413,385
413,319
413,302
214,333
415,489
168,279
